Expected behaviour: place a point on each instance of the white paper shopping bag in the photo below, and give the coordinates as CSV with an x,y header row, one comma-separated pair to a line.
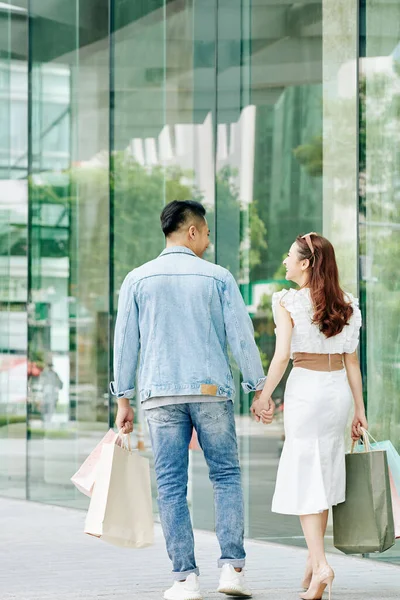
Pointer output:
x,y
84,477
120,510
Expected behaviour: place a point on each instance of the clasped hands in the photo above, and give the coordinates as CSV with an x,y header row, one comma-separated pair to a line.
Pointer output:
x,y
263,410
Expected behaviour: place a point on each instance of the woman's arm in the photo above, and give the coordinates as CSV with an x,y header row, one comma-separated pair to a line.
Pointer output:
x,y
354,376
277,367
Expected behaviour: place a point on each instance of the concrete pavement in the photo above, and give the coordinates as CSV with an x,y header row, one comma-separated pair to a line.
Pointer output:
x,y
45,556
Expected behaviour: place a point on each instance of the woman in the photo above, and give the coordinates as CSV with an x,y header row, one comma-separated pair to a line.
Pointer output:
x,y
318,327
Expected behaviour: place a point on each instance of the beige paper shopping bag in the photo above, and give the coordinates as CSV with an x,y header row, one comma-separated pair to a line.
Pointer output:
x,y
120,510
84,477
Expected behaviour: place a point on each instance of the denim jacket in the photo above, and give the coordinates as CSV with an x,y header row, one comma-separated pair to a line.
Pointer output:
x,y
180,312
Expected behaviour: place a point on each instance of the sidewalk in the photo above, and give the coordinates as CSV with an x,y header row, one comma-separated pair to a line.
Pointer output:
x,y
45,556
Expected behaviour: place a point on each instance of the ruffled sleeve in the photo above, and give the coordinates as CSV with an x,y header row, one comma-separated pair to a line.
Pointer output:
x,y
353,328
283,298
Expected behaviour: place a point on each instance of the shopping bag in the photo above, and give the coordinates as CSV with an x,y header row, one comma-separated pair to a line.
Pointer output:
x,y
364,522
392,457
120,510
84,477
396,506
394,475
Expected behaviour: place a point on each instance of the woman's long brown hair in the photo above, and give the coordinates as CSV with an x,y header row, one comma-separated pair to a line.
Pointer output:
x,y
332,312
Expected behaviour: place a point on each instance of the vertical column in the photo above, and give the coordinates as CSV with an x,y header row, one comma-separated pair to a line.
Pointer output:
x,y
340,135
69,185
203,75
380,213
13,247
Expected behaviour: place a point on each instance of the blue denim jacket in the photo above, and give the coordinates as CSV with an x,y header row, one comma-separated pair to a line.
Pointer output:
x,y
180,312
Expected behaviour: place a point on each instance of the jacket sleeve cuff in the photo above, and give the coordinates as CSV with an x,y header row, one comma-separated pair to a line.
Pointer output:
x,y
127,394
248,387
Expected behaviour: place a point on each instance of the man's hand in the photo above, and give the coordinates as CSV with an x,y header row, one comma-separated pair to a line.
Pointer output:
x,y
359,421
125,416
254,406
263,410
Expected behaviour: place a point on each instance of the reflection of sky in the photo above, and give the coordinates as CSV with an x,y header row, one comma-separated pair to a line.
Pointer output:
x,y
13,200
369,66
4,6
191,147
396,52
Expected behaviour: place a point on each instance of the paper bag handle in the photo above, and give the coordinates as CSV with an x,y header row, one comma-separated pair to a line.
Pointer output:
x,y
366,442
125,440
367,433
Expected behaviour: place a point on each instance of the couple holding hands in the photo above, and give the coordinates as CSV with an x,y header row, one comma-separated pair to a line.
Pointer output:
x,y
181,312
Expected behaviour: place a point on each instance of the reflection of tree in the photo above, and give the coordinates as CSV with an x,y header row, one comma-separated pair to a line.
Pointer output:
x,y
289,198
127,206
241,234
241,237
380,245
310,156
379,242
258,238
108,219
139,196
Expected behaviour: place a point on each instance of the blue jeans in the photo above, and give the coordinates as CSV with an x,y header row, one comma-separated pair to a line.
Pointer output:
x,y
170,432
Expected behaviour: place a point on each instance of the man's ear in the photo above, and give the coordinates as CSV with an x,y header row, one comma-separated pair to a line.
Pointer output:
x,y
192,231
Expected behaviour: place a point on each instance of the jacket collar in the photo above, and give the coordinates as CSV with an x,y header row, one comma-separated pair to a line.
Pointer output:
x,y
177,250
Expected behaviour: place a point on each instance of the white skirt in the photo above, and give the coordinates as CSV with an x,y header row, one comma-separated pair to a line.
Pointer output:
x,y
312,474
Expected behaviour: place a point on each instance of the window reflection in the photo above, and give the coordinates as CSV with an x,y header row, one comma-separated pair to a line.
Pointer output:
x,y
13,250
250,108
380,222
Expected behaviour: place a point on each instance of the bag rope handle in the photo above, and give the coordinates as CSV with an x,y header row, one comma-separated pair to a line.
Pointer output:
x,y
125,440
365,443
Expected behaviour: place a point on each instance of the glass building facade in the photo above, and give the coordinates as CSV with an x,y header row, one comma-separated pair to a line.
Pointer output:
x,y
282,117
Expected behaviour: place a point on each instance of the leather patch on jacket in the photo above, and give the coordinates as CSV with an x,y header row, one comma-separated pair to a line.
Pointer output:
x,y
207,389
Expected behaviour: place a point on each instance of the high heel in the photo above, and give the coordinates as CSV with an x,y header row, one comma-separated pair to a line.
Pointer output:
x,y
329,584
307,575
320,581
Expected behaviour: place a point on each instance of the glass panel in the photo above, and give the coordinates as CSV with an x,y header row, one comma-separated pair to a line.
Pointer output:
x,y
276,105
13,247
163,149
380,219
204,119
337,152
249,107
138,177
281,117
68,321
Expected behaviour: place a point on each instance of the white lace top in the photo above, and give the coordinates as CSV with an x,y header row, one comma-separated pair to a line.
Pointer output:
x,y
306,336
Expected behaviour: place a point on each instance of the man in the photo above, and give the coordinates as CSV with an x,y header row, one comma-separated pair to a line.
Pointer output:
x,y
182,311
51,386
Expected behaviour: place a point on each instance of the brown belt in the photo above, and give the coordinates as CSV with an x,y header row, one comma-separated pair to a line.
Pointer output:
x,y
318,362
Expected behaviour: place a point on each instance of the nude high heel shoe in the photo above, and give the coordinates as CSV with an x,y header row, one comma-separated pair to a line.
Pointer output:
x,y
307,575
320,581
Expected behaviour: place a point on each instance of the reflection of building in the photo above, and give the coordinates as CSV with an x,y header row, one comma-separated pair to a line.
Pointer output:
x,y
251,107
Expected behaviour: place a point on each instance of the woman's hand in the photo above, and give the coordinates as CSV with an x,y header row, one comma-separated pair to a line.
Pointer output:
x,y
267,416
263,410
359,422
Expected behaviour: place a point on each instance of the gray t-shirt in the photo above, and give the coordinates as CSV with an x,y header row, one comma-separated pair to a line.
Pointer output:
x,y
157,401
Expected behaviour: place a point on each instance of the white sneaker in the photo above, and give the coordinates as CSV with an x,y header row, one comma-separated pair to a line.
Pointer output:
x,y
185,590
233,583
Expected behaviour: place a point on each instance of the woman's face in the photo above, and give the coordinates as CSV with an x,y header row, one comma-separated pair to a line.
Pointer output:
x,y
295,268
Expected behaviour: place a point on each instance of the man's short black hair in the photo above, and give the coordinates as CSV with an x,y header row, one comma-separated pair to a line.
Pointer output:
x,y
176,213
